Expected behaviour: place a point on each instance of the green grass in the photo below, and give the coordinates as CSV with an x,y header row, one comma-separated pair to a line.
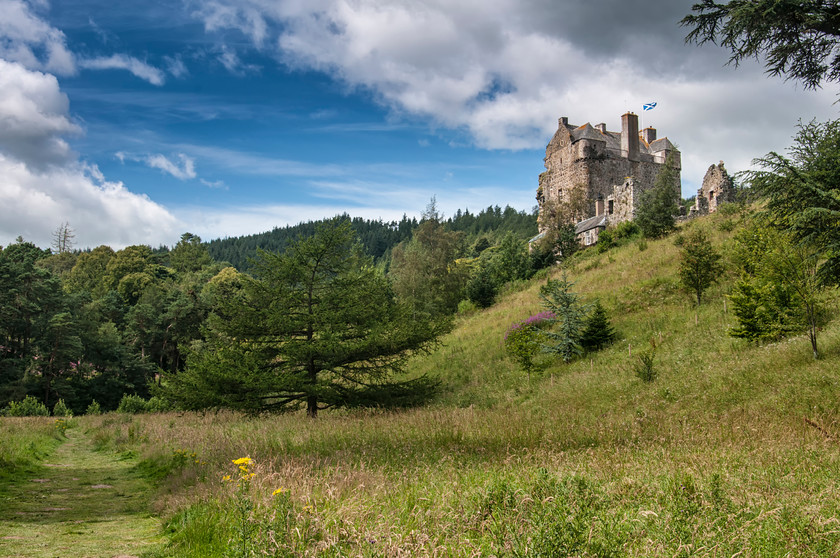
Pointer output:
x,y
25,442
74,502
733,448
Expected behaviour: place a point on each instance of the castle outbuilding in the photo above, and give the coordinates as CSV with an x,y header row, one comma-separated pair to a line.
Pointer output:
x,y
717,188
599,175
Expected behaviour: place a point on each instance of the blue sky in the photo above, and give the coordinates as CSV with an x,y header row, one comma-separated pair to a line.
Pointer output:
x,y
136,122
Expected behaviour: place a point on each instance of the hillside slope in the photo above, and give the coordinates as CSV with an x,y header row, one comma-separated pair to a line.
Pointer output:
x,y
732,450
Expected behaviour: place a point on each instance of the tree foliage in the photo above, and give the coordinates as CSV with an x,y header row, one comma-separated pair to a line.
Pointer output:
x,y
803,192
598,332
424,271
189,255
317,327
779,290
700,265
797,38
658,206
569,314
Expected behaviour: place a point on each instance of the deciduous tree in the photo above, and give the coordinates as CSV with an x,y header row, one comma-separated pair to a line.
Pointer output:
x,y
700,265
658,206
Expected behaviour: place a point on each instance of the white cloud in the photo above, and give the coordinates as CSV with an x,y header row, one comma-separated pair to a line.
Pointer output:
x,y
33,203
220,184
137,67
33,116
505,71
44,183
175,66
184,171
232,63
28,40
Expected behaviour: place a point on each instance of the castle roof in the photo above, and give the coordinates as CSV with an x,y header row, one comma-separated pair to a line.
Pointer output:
x,y
587,132
662,144
613,139
599,221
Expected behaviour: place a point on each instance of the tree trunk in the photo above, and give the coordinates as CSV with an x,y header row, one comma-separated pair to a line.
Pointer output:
x,y
312,399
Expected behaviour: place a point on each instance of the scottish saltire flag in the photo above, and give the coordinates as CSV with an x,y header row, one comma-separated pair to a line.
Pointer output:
x,y
648,106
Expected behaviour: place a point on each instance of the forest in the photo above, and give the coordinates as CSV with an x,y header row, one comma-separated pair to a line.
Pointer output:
x,y
97,328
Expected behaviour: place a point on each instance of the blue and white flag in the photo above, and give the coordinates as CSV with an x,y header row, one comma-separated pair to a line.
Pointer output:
x,y
648,106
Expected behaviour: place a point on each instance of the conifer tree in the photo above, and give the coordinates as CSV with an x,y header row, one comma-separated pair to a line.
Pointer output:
x,y
598,332
565,335
318,327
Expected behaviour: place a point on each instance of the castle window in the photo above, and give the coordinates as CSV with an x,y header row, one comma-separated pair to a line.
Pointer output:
x,y
610,205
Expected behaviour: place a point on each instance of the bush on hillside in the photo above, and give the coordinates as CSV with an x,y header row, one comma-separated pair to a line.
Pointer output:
x,y
132,404
61,410
482,288
523,340
28,407
644,366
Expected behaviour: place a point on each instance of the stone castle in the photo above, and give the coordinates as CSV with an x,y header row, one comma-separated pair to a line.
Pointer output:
x,y
603,173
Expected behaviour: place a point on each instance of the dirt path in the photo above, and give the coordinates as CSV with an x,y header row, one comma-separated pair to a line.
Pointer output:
x,y
83,504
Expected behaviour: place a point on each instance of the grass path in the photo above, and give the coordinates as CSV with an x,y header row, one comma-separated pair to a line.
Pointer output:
x,y
81,504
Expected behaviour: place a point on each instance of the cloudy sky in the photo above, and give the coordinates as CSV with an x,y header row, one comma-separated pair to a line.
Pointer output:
x,y
138,121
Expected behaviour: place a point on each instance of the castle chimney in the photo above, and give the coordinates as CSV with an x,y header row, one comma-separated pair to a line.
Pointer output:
x,y
630,136
649,135
599,206
564,120
602,128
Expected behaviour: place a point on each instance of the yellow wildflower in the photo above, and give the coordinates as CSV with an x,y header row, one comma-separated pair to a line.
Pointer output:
x,y
280,490
226,478
243,461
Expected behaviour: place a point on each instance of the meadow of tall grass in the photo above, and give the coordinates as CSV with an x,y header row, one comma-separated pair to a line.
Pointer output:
x,y
731,450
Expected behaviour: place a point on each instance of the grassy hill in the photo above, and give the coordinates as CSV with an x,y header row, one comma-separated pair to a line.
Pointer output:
x,y
732,450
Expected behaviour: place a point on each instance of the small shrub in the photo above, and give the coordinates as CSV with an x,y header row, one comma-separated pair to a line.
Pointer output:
x,y
644,367
729,209
627,229
482,289
61,410
28,407
467,307
132,404
727,226
158,405
522,342
93,408
643,245
606,240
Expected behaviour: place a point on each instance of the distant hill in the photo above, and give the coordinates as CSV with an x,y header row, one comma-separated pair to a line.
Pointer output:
x,y
377,236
